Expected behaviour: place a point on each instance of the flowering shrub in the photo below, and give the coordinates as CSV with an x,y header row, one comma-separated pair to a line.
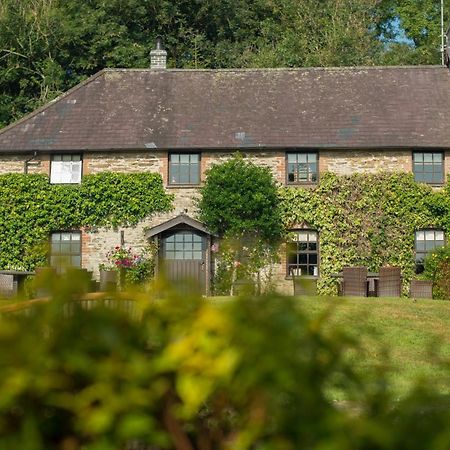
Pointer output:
x,y
134,268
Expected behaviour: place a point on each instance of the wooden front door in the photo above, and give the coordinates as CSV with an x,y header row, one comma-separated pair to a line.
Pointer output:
x,y
183,257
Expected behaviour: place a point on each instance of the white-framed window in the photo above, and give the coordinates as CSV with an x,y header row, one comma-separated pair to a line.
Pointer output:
x,y
65,249
425,242
66,169
303,253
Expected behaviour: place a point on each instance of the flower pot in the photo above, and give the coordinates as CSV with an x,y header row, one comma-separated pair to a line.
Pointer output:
x,y
108,280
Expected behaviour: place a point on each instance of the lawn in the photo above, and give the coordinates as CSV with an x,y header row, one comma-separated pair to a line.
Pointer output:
x,y
415,336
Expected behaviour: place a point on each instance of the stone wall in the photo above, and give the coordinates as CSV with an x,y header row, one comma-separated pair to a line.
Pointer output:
x,y
129,162
97,242
346,162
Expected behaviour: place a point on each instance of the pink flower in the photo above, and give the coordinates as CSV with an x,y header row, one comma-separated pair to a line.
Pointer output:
x,y
236,263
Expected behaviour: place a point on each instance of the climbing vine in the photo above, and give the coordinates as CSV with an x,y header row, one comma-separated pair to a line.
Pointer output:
x,y
31,207
365,220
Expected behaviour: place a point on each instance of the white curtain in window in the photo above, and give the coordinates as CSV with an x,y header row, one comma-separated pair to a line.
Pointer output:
x,y
65,172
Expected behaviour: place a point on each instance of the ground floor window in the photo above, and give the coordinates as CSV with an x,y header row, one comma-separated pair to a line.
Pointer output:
x,y
65,249
303,253
425,242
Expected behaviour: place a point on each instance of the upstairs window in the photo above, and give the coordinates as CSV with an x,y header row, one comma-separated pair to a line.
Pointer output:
x,y
65,250
425,242
184,168
302,168
303,253
65,169
428,167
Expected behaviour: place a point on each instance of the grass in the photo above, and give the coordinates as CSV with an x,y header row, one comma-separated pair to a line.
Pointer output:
x,y
411,338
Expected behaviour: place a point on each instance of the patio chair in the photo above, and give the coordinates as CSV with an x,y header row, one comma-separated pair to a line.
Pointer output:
x,y
355,282
421,289
390,282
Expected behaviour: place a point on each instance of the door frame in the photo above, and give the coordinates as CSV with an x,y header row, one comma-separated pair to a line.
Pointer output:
x,y
183,222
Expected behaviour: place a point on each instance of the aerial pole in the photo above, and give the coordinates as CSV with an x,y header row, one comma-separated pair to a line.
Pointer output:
x,y
442,34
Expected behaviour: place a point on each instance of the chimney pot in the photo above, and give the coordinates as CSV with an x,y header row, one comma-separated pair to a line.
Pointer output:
x,y
158,56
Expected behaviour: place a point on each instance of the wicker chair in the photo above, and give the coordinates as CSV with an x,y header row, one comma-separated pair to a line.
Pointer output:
x,y
354,281
421,289
390,282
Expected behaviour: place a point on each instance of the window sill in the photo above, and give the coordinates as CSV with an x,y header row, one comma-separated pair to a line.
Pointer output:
x,y
305,184
182,186
305,277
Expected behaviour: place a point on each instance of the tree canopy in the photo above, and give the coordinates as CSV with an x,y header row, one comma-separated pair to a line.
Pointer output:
x,y
48,46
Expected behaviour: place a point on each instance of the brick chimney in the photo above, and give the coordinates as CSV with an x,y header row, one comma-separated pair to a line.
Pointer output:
x,y
158,56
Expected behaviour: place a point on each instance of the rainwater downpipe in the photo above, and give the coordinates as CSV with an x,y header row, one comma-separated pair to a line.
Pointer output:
x,y
25,164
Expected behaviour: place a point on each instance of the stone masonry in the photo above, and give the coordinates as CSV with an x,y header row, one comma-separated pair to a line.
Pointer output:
x,y
96,242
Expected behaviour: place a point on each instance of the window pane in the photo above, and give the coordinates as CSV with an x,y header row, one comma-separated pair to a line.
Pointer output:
x,y
184,174
184,158
312,157
427,157
75,261
439,234
429,235
302,157
312,237
292,158
194,174
56,237
292,258
303,237
420,235
418,157
420,246
194,158
437,157
175,158
174,174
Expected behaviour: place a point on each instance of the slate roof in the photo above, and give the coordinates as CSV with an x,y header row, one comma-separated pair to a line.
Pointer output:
x,y
359,107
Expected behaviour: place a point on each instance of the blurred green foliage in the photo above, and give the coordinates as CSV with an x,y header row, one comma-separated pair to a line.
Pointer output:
x,y
181,372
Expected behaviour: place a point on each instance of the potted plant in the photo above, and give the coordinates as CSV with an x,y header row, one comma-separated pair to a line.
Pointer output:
x,y
126,267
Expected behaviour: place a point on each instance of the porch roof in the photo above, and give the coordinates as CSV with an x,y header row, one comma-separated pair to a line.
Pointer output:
x,y
181,219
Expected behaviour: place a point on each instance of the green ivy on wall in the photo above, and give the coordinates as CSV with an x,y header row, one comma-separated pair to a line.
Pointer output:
x,y
366,219
31,207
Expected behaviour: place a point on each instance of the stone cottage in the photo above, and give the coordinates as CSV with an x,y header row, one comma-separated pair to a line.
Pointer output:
x,y
298,122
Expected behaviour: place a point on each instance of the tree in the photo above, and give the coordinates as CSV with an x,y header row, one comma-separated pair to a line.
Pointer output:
x,y
239,202
420,22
